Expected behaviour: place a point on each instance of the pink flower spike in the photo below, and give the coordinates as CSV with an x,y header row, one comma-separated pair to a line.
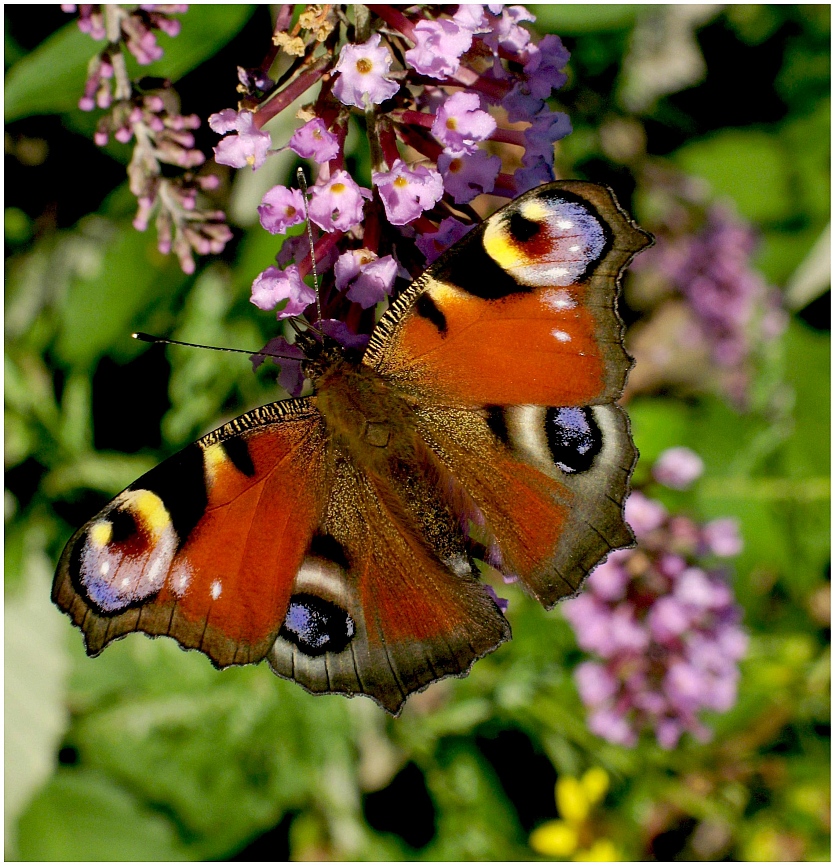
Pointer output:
x,y
313,141
439,46
281,208
678,468
643,514
407,193
461,123
337,204
274,286
722,537
249,147
362,73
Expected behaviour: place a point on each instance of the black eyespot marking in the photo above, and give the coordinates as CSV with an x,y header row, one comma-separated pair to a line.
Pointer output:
x,y
317,626
123,525
427,308
574,438
237,451
181,485
327,547
497,424
472,270
521,228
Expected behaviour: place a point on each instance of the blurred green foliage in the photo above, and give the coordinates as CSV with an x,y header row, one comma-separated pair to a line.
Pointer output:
x,y
149,753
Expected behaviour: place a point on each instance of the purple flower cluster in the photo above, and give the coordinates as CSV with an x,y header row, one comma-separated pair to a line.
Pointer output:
x,y
712,269
664,626
431,88
703,255
161,135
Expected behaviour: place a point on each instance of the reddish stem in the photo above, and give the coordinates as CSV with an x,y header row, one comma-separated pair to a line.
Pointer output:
x,y
279,101
505,186
388,142
420,142
509,136
321,249
416,118
396,19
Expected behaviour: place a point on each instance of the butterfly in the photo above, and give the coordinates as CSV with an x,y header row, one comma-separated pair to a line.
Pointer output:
x,y
336,535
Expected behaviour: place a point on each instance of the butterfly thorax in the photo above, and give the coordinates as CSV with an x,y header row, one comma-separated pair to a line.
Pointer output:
x,y
363,413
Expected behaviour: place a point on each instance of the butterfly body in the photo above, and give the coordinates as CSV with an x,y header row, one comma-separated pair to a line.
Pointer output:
x,y
337,535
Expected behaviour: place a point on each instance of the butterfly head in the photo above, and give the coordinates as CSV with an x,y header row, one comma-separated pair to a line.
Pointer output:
x,y
322,353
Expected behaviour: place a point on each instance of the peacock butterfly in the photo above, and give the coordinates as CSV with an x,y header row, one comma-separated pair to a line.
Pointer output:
x,y
335,534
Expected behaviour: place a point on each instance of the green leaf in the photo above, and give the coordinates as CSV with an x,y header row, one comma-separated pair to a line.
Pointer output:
x,y
572,18
227,757
102,309
83,815
36,665
749,166
50,79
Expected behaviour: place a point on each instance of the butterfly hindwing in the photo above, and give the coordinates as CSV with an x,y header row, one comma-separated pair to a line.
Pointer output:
x,y
521,310
204,548
387,600
548,484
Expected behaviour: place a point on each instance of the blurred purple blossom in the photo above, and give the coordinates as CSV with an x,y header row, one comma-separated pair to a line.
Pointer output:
x,y
153,121
704,254
664,628
678,468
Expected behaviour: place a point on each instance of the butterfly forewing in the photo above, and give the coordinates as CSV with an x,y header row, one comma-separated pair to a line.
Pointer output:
x,y
522,310
204,548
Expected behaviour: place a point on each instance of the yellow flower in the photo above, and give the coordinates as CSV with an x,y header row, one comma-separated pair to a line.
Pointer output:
x,y
554,839
595,783
601,851
575,799
572,801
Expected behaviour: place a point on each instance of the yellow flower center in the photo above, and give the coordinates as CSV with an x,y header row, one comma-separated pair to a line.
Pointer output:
x,y
400,182
290,210
451,123
364,65
338,188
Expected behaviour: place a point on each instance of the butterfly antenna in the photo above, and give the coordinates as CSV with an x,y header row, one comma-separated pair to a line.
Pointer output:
x,y
302,180
150,338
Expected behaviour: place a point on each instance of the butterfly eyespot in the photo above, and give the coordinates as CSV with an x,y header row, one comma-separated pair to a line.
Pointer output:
x,y
523,229
574,439
317,626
